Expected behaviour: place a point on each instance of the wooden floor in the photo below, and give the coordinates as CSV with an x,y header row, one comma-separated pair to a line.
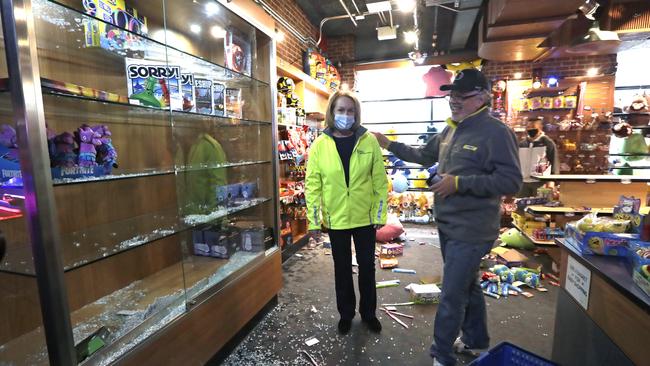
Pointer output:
x,y
29,348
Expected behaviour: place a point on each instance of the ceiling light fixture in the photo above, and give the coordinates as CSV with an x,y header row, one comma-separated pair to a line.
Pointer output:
x,y
378,6
195,28
411,37
211,8
589,8
218,32
406,5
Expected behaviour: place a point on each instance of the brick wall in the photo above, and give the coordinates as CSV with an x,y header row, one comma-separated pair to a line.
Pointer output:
x,y
560,67
291,49
341,50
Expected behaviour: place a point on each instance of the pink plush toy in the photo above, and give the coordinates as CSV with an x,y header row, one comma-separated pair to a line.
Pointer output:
x,y
88,141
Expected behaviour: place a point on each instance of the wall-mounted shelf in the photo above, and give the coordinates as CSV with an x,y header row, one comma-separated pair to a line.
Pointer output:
x,y
290,71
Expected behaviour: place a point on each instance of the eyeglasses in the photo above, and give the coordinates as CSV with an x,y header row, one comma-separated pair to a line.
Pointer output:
x,y
461,97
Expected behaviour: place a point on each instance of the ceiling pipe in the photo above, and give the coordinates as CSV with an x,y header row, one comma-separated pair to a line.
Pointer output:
x,y
348,11
390,12
356,7
325,20
277,17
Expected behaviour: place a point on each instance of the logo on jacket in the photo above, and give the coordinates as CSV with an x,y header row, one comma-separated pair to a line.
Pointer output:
x,y
470,147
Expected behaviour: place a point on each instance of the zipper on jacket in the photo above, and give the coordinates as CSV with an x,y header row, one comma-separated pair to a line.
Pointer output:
x,y
356,144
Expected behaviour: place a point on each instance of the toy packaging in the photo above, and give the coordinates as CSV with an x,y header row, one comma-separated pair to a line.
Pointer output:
x,y
219,99
425,294
187,91
602,243
154,84
203,95
391,250
109,33
251,235
641,278
385,263
234,105
237,51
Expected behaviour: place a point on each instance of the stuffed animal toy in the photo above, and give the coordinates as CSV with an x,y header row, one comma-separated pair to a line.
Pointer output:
x,y
390,134
639,105
421,181
9,140
423,204
431,130
106,153
407,200
394,202
515,239
400,183
529,278
504,273
88,141
64,146
396,163
635,144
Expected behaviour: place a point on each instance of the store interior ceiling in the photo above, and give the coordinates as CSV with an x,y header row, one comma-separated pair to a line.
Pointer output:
x,y
500,30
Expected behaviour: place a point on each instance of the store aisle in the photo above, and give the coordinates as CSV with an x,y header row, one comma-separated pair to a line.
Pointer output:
x,y
308,281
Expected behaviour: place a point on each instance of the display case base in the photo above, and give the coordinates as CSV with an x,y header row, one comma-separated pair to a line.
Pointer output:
x,y
195,337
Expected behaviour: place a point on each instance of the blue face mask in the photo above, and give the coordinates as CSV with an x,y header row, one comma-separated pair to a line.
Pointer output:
x,y
343,121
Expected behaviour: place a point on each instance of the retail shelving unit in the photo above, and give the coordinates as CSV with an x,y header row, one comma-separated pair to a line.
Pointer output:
x,y
172,247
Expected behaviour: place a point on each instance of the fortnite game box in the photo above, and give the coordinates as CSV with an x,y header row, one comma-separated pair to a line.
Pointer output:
x,y
203,95
154,84
187,91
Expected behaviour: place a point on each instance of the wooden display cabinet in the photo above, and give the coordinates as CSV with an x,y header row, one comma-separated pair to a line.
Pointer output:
x,y
122,250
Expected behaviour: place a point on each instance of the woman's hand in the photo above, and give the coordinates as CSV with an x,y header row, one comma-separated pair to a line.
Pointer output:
x,y
382,140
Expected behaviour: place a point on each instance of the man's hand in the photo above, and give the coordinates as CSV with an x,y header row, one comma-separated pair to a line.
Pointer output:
x,y
315,234
383,140
446,187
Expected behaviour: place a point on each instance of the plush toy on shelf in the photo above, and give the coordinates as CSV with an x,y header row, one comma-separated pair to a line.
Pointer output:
x,y
400,183
106,153
88,140
423,204
8,139
64,146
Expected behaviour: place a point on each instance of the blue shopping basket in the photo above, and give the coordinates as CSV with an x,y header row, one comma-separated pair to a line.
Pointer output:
x,y
507,354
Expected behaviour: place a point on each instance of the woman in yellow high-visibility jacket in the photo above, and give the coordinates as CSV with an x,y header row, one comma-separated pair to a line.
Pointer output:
x,y
346,191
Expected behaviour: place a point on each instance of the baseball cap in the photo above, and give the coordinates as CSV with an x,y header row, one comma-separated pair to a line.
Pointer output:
x,y
468,80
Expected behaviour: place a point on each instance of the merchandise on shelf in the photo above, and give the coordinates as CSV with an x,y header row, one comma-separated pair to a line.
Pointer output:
x,y
321,69
154,84
237,51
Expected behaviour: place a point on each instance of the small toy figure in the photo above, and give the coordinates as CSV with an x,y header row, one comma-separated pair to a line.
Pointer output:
x,y
106,153
423,204
88,140
64,147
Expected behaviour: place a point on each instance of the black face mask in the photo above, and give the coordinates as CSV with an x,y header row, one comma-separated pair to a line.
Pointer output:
x,y
532,132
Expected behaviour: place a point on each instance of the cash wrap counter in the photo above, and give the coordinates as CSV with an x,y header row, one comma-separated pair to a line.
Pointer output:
x,y
602,317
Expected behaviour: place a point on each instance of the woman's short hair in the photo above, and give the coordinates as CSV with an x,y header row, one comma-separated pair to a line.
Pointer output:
x,y
329,114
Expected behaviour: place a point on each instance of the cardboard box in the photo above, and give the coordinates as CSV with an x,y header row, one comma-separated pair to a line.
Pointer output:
x,y
425,294
599,243
388,263
636,253
391,250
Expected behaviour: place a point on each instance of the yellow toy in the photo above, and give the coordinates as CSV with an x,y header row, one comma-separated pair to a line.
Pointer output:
x,y
423,204
394,202
422,179
391,131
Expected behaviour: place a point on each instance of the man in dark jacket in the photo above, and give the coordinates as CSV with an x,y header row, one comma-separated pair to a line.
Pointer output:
x,y
478,164
537,156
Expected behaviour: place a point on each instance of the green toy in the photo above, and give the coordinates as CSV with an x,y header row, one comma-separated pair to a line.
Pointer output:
x,y
529,278
504,273
146,97
515,239
635,144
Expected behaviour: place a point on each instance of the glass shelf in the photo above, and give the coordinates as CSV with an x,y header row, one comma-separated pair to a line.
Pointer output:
x,y
154,172
98,242
56,106
164,49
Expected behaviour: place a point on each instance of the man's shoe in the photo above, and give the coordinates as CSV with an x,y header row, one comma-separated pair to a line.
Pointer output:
x,y
373,324
462,348
436,363
344,326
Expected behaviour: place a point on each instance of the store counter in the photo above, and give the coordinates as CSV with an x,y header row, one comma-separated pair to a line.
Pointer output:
x,y
602,317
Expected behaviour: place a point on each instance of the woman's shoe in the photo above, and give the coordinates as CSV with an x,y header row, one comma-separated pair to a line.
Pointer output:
x,y
373,324
344,326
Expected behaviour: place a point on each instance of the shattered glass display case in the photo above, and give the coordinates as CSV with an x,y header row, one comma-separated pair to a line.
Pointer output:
x,y
137,171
